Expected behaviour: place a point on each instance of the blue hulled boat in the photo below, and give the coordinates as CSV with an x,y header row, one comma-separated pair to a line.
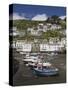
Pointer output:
x,y
46,71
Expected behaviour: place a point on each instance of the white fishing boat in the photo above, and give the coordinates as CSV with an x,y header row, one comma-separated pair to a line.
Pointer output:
x,y
30,60
52,54
45,64
31,64
39,64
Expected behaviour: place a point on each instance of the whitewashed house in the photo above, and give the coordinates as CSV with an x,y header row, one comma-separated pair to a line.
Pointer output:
x,y
26,47
45,28
40,27
54,26
34,32
63,41
48,47
54,40
29,29
48,26
22,33
23,46
51,47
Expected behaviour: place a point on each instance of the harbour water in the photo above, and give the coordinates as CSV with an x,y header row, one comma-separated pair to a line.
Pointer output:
x,y
25,76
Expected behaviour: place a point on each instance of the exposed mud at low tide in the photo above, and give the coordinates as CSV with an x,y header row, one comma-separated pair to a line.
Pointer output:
x,y
25,76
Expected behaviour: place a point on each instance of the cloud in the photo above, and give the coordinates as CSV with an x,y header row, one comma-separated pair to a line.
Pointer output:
x,y
62,17
40,17
16,16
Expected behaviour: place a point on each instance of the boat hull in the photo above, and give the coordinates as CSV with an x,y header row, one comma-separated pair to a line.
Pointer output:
x,y
46,72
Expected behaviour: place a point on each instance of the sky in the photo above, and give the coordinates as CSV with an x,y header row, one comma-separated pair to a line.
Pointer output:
x,y
36,12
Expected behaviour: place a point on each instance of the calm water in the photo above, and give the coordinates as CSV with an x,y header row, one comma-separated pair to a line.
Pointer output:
x,y
24,75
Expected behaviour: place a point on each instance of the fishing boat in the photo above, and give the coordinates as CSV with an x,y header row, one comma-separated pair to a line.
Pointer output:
x,y
31,59
38,64
52,54
31,65
48,71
